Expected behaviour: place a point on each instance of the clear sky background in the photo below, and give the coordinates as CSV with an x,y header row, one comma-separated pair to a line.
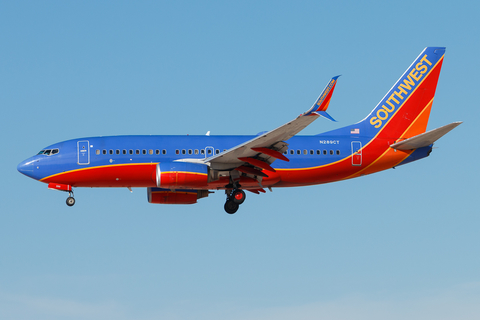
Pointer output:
x,y
400,244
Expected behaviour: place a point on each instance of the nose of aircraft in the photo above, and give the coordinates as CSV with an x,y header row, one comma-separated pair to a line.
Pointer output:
x,y
26,167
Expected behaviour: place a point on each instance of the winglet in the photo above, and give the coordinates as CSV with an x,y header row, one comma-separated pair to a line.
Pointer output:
x,y
321,105
326,115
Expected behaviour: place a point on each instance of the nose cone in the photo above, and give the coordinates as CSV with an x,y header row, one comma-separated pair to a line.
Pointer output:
x,y
26,167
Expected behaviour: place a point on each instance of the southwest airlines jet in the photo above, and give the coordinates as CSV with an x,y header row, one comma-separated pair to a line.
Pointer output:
x,y
183,169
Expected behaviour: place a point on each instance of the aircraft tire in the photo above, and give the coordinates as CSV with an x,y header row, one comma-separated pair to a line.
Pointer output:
x,y
70,201
231,207
238,196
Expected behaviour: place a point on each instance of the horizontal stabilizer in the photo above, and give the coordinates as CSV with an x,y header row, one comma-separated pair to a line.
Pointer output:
x,y
425,139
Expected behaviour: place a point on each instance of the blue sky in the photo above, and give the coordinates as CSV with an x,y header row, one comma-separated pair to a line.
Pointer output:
x,y
397,244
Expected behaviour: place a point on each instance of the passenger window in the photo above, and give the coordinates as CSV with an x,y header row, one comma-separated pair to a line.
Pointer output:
x,y
97,151
299,151
338,152
325,152
285,152
157,151
110,151
318,151
217,151
292,151
150,151
104,151
209,151
117,151
331,151
311,152
137,151
144,151
130,151
164,151
184,151
196,151
202,151
124,151
177,151
190,151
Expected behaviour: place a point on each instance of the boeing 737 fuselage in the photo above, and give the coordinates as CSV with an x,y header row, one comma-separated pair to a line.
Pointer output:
x,y
183,169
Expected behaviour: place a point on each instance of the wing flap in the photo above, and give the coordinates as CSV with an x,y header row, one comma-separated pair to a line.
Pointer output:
x,y
271,153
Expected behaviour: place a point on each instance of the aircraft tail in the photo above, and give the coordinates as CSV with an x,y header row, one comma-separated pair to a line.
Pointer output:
x,y
404,110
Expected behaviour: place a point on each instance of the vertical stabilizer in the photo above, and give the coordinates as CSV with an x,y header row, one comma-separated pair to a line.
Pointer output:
x,y
405,109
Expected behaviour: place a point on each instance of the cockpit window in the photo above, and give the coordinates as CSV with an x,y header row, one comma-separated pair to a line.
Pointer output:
x,y
49,152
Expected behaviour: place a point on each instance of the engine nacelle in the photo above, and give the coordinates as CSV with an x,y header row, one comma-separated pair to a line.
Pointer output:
x,y
166,196
182,175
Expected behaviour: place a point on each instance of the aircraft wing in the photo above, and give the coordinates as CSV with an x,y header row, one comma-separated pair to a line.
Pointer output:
x,y
266,148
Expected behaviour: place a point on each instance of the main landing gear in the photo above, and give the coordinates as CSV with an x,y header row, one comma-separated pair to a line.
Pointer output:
x,y
234,200
70,200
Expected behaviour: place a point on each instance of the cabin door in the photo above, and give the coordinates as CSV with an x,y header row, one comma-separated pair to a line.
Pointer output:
x,y
83,152
356,153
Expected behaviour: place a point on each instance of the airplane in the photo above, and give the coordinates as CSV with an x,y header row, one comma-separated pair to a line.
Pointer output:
x,y
182,169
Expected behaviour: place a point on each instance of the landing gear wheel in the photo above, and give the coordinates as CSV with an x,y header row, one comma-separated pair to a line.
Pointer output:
x,y
238,196
231,207
70,201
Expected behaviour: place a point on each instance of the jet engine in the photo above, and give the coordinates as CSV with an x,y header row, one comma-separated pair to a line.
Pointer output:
x,y
182,175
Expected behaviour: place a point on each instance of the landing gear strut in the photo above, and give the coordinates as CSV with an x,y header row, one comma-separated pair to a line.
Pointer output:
x,y
234,200
70,199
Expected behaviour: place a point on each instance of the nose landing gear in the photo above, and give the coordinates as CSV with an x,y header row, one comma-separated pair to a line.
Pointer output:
x,y
234,200
70,200
66,188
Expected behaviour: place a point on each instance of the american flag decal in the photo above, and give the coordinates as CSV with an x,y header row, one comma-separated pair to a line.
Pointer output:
x,y
355,131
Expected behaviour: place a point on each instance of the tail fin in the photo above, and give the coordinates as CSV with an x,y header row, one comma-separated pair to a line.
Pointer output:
x,y
405,109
